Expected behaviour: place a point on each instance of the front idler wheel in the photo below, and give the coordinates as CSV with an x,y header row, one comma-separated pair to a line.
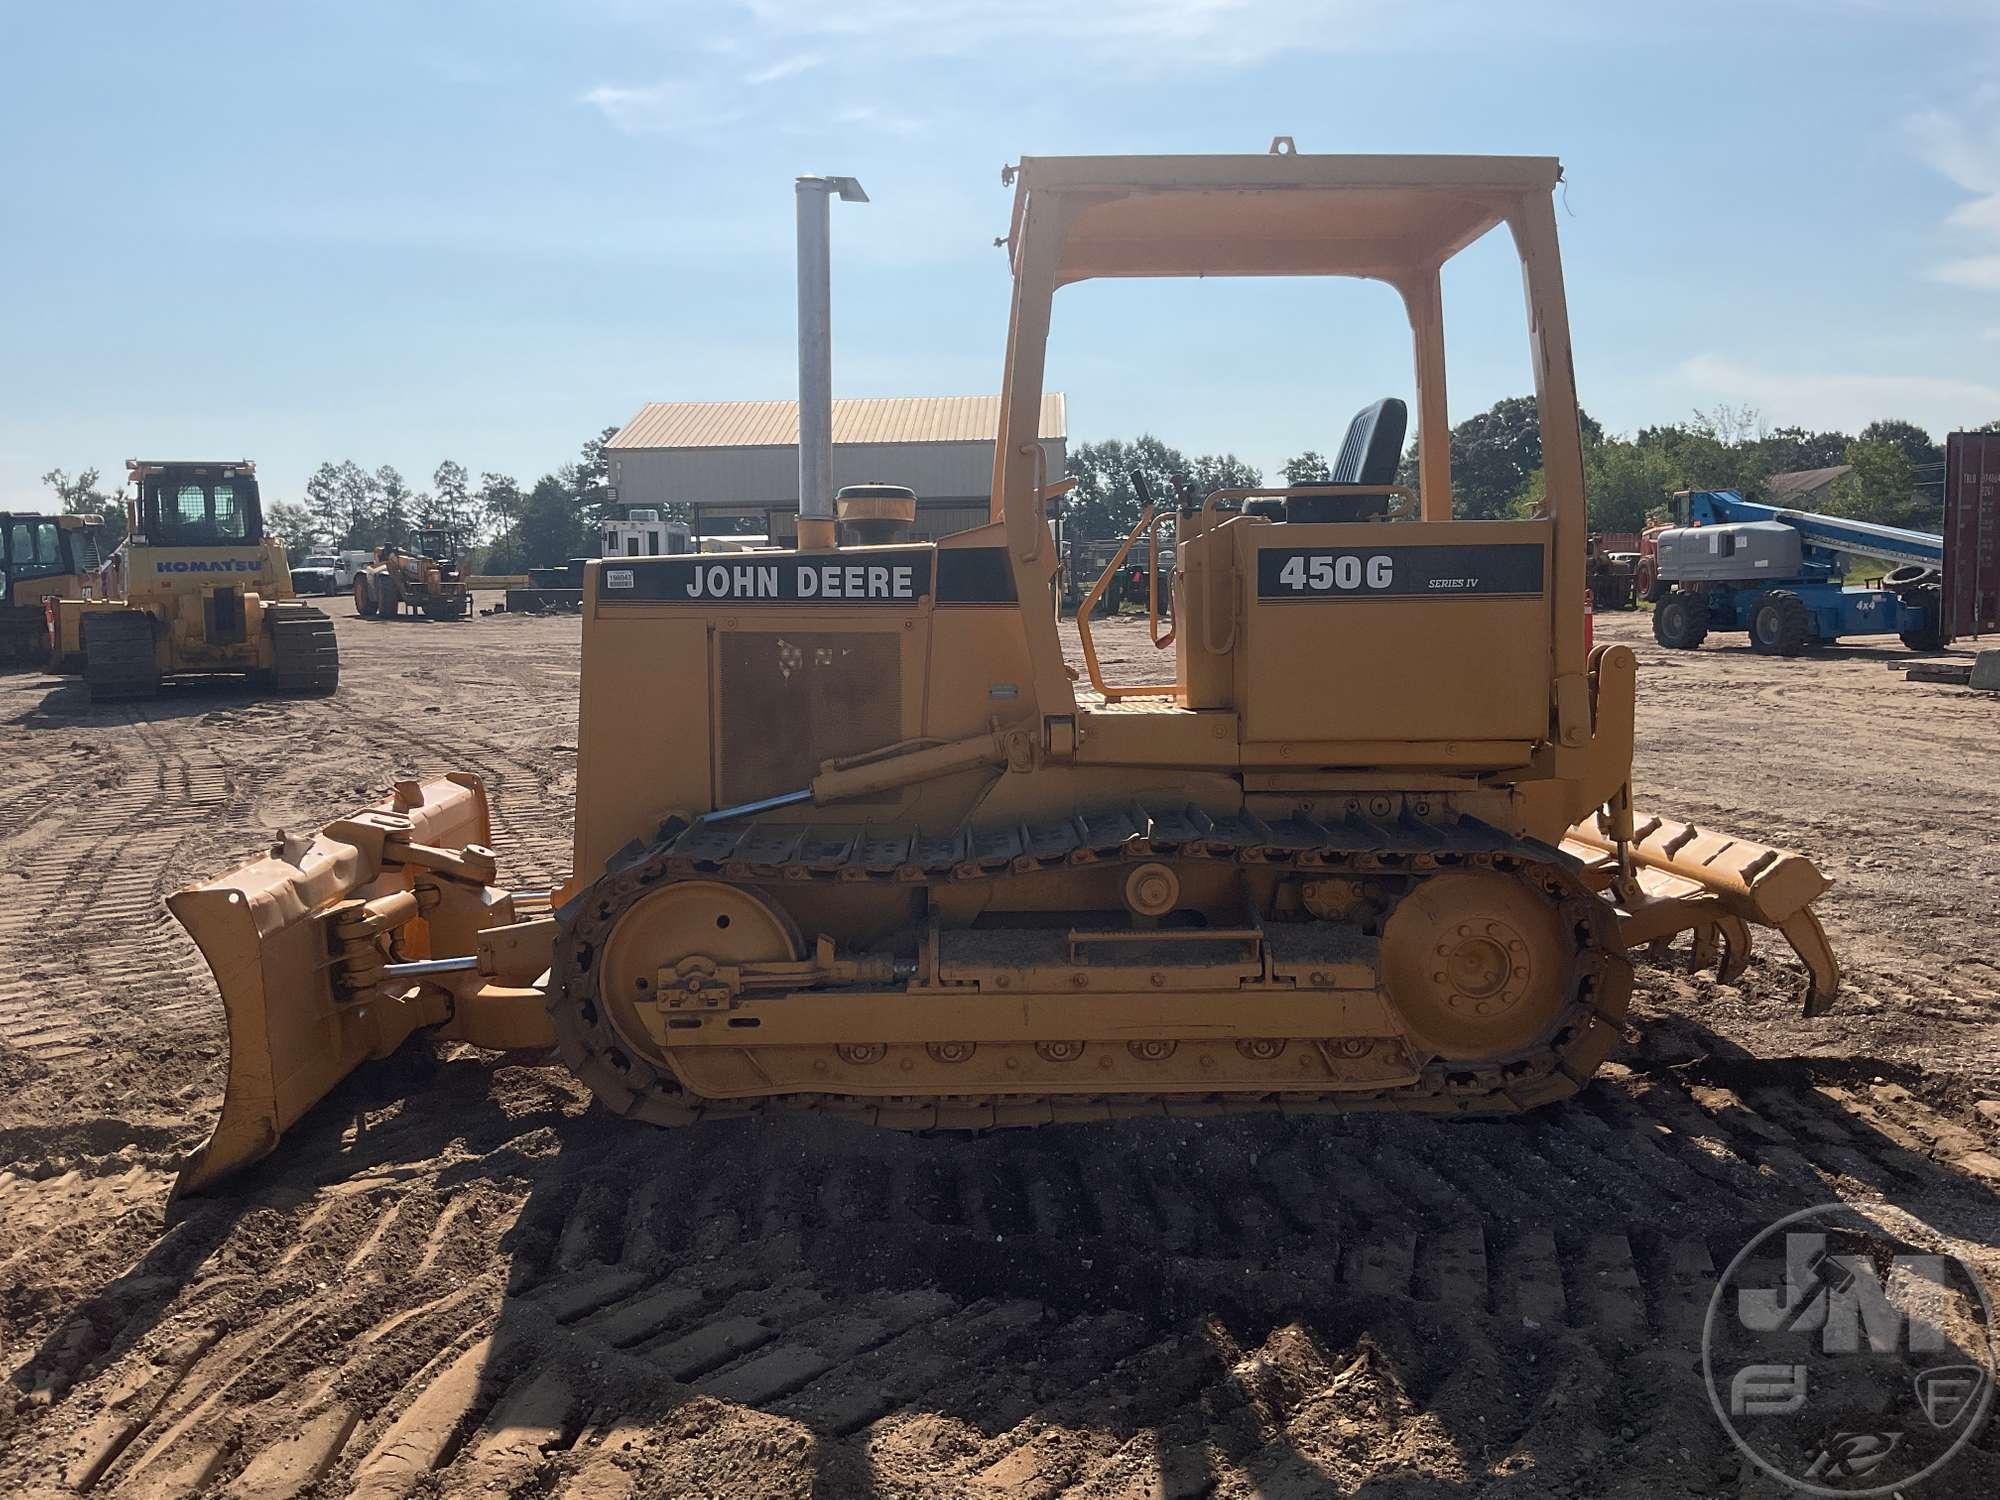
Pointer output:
x,y
626,977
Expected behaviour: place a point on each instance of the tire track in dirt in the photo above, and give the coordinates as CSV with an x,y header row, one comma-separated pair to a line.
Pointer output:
x,y
500,718
116,837
533,854
98,901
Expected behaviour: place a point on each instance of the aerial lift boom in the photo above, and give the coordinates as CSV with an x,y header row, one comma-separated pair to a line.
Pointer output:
x,y
1781,575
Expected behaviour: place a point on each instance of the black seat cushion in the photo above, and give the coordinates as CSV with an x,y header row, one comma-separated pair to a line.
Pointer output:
x,y
1369,455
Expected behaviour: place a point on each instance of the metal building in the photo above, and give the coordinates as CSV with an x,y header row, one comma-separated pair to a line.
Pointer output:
x,y
741,458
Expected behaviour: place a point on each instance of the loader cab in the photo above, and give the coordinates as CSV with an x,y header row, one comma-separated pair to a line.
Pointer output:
x,y
435,544
36,547
197,505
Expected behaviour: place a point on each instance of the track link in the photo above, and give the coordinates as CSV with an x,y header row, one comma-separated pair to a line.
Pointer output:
x,y
305,653
119,661
1416,841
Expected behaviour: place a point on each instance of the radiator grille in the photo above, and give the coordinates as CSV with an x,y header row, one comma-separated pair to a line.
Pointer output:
x,y
793,699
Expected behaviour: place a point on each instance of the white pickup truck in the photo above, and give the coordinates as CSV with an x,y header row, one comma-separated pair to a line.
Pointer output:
x,y
329,572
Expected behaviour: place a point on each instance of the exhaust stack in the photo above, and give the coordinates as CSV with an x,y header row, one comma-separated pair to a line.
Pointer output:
x,y
815,196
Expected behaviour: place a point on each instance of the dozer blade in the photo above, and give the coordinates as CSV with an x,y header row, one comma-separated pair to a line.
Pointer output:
x,y
1716,886
265,932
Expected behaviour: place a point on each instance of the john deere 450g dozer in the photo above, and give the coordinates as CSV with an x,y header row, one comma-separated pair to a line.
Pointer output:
x,y
850,837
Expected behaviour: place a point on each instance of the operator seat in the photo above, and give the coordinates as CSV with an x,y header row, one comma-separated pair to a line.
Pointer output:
x,y
1368,455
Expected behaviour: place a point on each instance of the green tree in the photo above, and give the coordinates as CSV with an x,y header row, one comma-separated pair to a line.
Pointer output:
x,y
1908,439
1105,503
291,524
360,497
1310,467
1702,460
82,496
549,528
1221,471
322,500
1789,449
1883,488
393,505
1622,483
1495,454
499,500
450,503
594,466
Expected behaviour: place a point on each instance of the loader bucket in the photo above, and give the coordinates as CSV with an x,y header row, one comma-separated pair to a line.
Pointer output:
x,y
262,928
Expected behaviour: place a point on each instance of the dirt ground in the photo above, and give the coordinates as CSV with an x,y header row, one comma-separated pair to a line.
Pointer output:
x,y
455,1278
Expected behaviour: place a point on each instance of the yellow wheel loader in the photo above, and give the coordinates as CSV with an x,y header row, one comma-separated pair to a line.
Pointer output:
x,y
42,559
196,589
423,577
851,837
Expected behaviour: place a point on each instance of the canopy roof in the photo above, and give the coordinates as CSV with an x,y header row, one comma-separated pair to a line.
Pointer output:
x,y
1276,215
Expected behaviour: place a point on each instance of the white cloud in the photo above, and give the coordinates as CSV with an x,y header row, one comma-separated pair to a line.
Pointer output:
x,y
1965,148
1843,402
864,41
876,118
785,67
1982,271
673,106
1139,34
1981,215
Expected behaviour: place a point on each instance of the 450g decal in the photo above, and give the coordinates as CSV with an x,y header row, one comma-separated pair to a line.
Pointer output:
x,y
1484,570
1346,571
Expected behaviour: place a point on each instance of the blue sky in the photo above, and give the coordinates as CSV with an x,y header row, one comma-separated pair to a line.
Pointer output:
x,y
400,233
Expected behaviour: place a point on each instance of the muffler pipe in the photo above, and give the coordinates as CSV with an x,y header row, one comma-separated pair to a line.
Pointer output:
x,y
815,197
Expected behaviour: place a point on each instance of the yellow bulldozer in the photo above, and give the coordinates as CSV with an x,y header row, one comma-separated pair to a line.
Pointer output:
x,y
422,577
197,588
851,836
43,559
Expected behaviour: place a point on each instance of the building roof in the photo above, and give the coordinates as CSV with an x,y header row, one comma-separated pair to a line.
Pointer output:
x,y
1783,487
867,419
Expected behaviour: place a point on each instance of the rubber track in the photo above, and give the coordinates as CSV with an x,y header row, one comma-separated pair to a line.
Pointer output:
x,y
1411,841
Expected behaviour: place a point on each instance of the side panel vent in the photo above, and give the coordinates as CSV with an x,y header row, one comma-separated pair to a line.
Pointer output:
x,y
792,699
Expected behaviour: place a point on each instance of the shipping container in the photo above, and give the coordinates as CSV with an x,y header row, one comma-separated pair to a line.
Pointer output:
x,y
1971,534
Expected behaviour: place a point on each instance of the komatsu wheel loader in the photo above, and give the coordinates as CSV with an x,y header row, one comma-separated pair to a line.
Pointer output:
x,y
196,589
850,835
